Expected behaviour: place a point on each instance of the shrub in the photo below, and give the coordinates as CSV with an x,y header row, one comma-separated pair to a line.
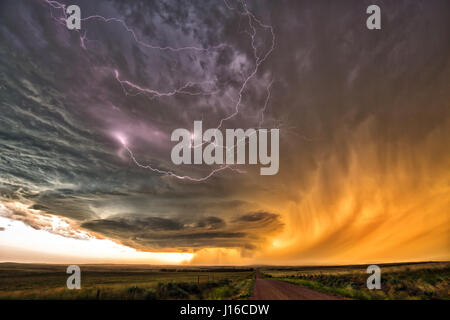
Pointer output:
x,y
170,290
150,295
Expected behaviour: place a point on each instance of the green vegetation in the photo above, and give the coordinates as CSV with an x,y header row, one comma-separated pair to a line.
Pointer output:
x,y
398,281
19,281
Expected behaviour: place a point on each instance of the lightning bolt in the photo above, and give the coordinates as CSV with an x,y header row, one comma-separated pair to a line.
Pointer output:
x,y
158,94
171,173
189,88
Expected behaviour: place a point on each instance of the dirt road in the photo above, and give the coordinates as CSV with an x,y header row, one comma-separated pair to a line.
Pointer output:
x,y
278,290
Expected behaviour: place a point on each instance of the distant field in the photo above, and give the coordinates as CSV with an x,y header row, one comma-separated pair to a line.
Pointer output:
x,y
125,282
398,281
22,281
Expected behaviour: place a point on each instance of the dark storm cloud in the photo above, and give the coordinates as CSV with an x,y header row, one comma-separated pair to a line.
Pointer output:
x,y
257,216
62,107
334,82
133,225
211,223
210,231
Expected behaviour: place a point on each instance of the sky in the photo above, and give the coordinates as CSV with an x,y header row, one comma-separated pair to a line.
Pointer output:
x,y
86,119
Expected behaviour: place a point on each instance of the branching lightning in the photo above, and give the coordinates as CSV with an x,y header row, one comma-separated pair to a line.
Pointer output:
x,y
158,94
189,88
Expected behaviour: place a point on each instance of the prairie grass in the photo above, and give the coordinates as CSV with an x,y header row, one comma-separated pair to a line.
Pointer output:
x,y
404,282
123,283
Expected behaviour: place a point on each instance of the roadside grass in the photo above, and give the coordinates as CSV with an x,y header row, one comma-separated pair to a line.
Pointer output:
x,y
421,281
239,290
245,288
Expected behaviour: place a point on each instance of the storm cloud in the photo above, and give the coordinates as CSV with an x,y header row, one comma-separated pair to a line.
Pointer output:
x,y
208,232
363,116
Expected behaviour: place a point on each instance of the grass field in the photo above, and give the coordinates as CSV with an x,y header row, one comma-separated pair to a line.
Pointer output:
x,y
398,281
22,281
